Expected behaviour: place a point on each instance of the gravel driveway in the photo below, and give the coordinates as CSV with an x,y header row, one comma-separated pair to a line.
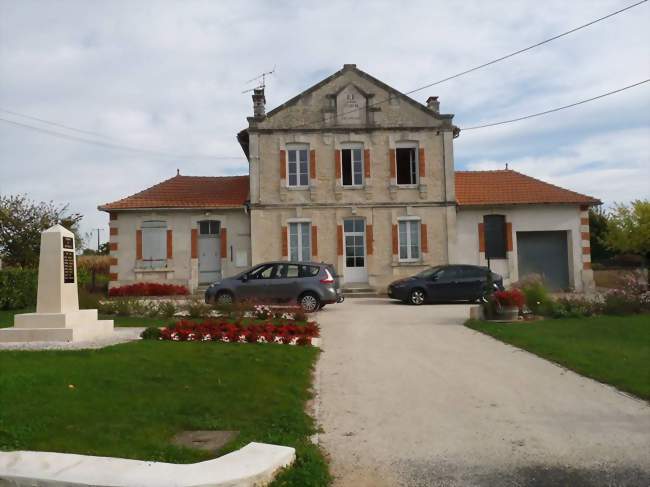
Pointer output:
x,y
409,396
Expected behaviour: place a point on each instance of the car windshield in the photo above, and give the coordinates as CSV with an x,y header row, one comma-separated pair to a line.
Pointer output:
x,y
427,273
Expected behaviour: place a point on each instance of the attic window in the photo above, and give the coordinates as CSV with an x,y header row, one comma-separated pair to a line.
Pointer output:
x,y
406,160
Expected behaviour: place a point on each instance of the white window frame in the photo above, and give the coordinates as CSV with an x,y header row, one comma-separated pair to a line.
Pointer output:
x,y
409,221
415,163
297,148
352,147
154,229
299,234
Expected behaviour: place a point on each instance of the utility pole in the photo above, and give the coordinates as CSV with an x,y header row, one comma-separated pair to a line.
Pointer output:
x,y
98,230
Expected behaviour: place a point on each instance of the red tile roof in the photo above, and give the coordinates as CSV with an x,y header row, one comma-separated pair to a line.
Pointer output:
x,y
188,192
473,188
507,187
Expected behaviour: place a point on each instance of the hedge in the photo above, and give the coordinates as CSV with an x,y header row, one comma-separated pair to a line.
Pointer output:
x,y
18,288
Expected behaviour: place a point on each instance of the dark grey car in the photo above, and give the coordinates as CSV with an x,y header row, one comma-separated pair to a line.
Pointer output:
x,y
312,285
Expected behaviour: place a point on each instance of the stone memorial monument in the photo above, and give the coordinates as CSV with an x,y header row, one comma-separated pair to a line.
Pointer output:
x,y
57,317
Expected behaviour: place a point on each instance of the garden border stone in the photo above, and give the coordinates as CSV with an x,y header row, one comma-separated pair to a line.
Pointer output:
x,y
256,464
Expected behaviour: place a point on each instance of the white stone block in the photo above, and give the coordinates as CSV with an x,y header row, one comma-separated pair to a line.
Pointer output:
x,y
256,464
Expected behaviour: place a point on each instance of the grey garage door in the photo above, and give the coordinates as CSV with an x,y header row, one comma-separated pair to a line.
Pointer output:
x,y
544,253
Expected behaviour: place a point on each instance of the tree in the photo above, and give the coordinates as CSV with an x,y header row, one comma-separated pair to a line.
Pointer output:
x,y
598,221
21,222
628,228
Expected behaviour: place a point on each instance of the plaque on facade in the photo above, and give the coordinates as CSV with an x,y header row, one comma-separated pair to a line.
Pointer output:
x,y
68,266
68,243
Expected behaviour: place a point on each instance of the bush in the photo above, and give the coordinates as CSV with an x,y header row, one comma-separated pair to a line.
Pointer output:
x,y
18,288
622,302
537,298
196,308
151,333
88,300
574,307
148,289
166,309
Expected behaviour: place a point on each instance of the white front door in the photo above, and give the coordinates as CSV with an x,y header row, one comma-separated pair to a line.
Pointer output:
x,y
209,252
354,239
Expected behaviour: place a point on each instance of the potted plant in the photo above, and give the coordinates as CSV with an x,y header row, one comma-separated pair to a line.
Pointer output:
x,y
508,304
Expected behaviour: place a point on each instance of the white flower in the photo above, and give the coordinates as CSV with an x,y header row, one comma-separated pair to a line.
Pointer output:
x,y
261,339
277,339
242,339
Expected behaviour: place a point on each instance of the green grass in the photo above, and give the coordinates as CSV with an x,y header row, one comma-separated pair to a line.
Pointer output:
x,y
7,319
611,349
129,400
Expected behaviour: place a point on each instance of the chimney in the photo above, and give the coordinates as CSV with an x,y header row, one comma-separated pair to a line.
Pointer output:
x,y
259,103
433,104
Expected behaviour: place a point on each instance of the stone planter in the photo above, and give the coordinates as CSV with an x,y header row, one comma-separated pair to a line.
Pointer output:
x,y
508,313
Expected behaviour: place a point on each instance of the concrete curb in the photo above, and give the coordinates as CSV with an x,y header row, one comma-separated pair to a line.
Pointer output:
x,y
254,465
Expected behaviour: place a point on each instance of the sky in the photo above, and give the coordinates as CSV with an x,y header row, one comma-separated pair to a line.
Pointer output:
x,y
166,78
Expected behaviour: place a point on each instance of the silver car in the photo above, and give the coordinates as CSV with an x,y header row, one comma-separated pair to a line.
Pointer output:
x,y
312,285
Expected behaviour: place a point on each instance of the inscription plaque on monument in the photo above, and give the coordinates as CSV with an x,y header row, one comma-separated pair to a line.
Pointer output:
x,y
68,243
68,266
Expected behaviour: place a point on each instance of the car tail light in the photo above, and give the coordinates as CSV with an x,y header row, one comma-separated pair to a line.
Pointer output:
x,y
328,279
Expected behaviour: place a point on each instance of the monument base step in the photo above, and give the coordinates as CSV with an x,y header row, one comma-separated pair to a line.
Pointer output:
x,y
68,319
77,333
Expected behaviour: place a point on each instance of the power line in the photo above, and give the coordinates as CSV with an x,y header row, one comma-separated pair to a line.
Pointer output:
x,y
111,145
480,66
545,112
56,124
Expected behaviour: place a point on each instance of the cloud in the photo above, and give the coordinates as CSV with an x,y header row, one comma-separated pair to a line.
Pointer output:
x,y
169,76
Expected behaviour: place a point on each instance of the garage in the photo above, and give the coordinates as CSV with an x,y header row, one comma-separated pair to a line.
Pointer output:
x,y
544,253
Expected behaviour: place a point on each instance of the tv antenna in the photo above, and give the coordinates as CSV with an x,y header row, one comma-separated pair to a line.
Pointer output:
x,y
261,77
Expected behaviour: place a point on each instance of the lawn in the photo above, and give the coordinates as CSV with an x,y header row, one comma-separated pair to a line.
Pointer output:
x,y
610,349
7,319
129,400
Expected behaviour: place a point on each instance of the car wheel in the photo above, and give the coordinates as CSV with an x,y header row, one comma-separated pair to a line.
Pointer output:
x,y
224,298
309,302
416,297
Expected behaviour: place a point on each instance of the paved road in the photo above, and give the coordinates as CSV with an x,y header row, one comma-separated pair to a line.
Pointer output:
x,y
409,396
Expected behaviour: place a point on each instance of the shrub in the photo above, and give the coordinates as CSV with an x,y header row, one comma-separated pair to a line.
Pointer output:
x,y
196,308
537,298
88,300
622,302
18,288
166,309
148,289
151,333
574,307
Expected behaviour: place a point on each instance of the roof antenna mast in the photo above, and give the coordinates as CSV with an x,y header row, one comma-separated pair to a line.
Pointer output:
x,y
262,80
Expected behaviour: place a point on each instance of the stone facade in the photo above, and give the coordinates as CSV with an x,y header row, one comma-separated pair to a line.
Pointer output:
x,y
348,110
181,265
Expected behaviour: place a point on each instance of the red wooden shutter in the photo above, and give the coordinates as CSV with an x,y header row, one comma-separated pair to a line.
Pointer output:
x,y
369,239
391,158
224,243
195,243
337,163
285,245
314,240
112,215
138,244
170,245
312,164
481,237
112,246
113,231
395,241
421,162
509,236
424,238
283,164
339,240
366,163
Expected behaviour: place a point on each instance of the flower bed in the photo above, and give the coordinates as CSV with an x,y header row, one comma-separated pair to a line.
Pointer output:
x,y
286,332
148,289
